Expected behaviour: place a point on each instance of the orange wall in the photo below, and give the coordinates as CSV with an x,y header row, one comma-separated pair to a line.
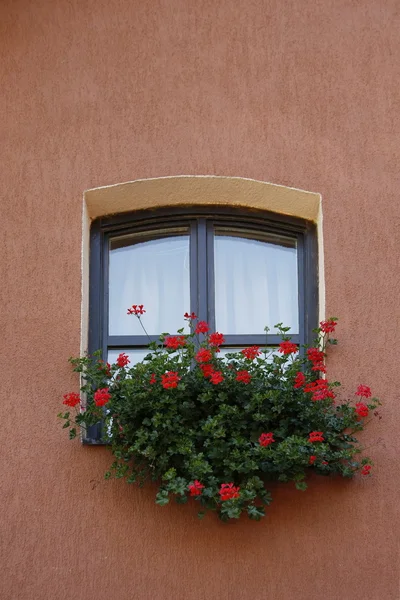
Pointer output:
x,y
297,92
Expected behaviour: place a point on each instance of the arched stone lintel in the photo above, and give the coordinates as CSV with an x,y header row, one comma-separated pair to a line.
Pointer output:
x,y
213,190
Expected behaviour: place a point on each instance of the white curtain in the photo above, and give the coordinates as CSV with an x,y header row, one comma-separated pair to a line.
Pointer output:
x,y
155,274
255,285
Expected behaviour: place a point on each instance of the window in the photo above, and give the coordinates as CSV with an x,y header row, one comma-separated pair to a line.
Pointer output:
x,y
239,271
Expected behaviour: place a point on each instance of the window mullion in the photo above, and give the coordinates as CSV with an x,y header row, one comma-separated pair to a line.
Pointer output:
x,y
210,276
202,265
194,269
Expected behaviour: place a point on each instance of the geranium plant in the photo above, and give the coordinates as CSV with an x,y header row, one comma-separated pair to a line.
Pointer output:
x,y
219,428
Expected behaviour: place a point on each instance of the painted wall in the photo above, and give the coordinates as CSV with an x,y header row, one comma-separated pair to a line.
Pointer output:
x,y
302,93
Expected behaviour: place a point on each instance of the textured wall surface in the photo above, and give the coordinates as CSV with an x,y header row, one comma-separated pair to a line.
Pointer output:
x,y
301,93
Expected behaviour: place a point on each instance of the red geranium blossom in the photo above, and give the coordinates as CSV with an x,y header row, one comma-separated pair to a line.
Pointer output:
x,y
195,488
243,376
175,341
170,380
101,397
106,367
287,347
322,394
319,389
299,380
366,470
72,399
153,379
216,339
207,369
362,409
228,491
316,436
251,353
122,360
136,310
319,366
364,391
315,355
216,377
203,355
202,327
192,316
328,326
266,439
312,459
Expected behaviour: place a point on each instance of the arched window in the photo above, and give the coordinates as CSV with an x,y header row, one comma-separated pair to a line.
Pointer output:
x,y
240,271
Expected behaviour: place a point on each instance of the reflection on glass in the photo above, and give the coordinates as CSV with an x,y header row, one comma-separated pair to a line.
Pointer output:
x,y
255,285
154,273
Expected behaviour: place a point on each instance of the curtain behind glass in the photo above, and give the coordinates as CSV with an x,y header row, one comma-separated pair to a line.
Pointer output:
x,y
154,273
255,285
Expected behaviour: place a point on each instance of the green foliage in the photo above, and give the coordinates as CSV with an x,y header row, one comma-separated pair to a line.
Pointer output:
x,y
197,434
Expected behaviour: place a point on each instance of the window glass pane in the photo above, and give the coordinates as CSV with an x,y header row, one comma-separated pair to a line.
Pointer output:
x,y
154,273
255,284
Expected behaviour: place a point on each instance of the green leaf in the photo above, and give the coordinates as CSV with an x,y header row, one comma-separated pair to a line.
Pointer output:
x,y
72,433
162,498
181,499
255,512
301,485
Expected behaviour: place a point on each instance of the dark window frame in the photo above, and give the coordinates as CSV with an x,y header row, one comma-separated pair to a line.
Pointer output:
x,y
200,221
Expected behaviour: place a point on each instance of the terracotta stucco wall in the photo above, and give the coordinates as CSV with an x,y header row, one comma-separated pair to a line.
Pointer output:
x,y
296,92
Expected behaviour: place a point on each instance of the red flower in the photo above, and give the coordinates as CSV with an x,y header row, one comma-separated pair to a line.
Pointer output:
x,y
362,409
315,355
170,380
324,462
228,491
106,367
101,397
287,347
202,327
316,436
312,459
122,360
72,399
195,488
175,342
366,470
136,310
207,369
299,380
203,355
243,376
364,391
251,353
192,316
320,367
266,439
153,379
216,339
328,326
216,377
319,389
